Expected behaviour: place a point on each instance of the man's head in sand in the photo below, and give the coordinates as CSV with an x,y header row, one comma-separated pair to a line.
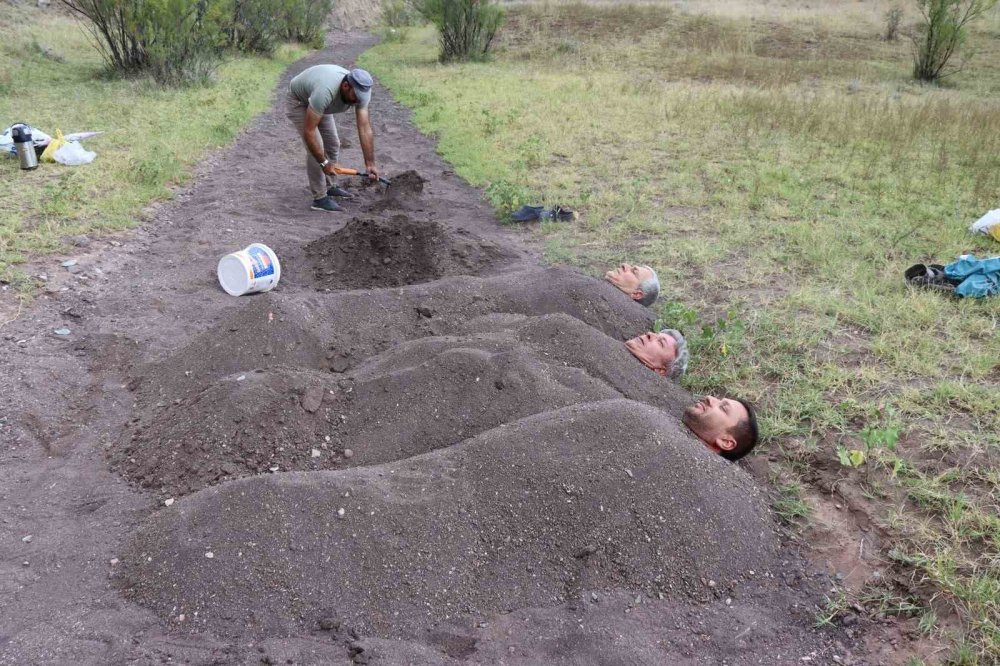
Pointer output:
x,y
728,426
639,282
665,353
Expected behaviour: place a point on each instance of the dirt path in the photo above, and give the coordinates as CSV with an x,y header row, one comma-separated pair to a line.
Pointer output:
x,y
422,448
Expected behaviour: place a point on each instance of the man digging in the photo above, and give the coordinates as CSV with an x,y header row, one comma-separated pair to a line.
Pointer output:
x,y
313,97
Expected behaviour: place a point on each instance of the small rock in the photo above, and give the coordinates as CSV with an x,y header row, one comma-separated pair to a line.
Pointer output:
x,y
711,583
114,561
180,618
74,269
80,241
62,331
340,365
586,551
210,555
629,472
341,512
312,399
274,468
316,453
329,624
168,502
241,378
69,263
25,563
348,453
387,261
26,539
425,311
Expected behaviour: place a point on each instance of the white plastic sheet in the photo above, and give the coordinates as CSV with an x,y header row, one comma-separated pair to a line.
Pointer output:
x,y
73,154
986,222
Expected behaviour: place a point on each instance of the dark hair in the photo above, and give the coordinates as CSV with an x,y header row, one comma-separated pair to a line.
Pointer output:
x,y
745,432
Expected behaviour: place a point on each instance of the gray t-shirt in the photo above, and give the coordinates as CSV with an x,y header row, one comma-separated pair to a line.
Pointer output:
x,y
319,86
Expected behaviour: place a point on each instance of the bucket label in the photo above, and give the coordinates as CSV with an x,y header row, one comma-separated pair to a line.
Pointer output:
x,y
260,262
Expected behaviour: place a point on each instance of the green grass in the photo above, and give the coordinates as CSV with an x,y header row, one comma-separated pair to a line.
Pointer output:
x,y
780,175
52,77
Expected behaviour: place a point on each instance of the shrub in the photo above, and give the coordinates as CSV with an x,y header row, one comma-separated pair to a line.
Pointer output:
x,y
942,33
466,27
252,26
305,21
399,13
892,20
168,39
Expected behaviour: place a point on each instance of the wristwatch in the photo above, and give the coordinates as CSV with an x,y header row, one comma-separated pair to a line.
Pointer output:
x,y
322,165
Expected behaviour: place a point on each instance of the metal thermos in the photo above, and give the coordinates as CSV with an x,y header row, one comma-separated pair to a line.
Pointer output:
x,y
24,146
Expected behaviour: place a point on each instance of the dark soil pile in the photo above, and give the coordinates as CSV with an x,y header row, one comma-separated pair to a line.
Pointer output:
x,y
374,252
533,513
407,184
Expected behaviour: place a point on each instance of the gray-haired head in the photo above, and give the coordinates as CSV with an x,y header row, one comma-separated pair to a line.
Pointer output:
x,y
680,364
650,289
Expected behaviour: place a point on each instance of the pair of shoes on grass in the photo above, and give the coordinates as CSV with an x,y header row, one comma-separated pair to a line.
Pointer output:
x,y
528,213
327,203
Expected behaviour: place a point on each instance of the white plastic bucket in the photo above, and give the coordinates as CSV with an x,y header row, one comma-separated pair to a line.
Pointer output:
x,y
253,269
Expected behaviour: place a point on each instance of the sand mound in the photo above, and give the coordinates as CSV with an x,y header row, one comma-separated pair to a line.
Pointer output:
x,y
609,494
299,420
263,331
268,420
373,252
558,340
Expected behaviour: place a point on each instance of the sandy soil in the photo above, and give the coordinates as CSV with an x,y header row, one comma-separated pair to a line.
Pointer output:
x,y
421,448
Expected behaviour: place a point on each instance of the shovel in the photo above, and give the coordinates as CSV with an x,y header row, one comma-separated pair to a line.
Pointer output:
x,y
344,171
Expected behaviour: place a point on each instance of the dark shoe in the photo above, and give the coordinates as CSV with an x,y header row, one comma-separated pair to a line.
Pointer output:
x,y
930,276
562,214
327,204
527,213
335,191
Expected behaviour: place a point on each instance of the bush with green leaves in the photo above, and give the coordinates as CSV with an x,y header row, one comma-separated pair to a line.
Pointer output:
x,y
179,41
304,21
171,40
466,27
942,33
399,13
251,26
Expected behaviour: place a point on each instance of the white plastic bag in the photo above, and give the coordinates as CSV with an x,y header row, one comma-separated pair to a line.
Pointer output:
x,y
73,154
982,226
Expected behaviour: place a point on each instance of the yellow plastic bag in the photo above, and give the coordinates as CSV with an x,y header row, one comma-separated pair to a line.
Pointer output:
x,y
55,144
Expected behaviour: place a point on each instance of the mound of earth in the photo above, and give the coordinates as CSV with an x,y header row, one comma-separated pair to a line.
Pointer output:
x,y
558,340
240,425
612,494
299,420
374,252
406,184
263,331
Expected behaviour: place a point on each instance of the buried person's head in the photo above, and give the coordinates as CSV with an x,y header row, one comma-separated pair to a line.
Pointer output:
x,y
728,426
639,282
665,353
